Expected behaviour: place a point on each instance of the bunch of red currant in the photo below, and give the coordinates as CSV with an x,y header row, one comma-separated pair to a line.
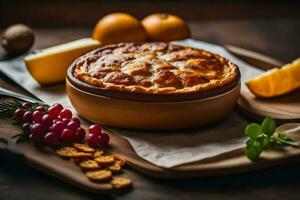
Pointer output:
x,y
56,125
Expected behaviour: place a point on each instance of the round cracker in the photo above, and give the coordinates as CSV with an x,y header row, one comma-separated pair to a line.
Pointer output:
x,y
99,175
121,161
67,152
121,182
89,165
81,155
115,168
84,147
98,153
105,160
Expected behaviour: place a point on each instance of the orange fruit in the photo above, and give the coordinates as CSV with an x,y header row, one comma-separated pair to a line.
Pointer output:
x,y
166,27
119,27
277,81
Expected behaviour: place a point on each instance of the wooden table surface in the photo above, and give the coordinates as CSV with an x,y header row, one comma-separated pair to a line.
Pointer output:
x,y
277,38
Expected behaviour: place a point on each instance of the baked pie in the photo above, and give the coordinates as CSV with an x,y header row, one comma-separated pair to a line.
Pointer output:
x,y
155,69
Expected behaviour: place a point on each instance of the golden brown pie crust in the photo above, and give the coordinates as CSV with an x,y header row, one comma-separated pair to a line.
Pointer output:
x,y
154,68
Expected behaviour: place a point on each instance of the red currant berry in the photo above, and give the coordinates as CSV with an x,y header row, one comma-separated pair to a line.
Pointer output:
x,y
58,106
75,119
65,113
27,117
26,129
37,132
50,138
104,139
58,127
66,121
93,140
19,114
37,116
26,105
80,134
41,109
73,125
57,120
47,120
53,111
95,129
67,136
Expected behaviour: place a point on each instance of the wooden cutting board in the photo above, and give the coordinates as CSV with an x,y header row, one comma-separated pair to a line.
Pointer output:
x,y
284,108
229,163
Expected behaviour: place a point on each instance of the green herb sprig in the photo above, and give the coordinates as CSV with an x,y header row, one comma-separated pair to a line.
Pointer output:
x,y
263,136
8,108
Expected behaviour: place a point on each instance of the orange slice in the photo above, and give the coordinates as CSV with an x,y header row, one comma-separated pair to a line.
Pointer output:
x,y
277,81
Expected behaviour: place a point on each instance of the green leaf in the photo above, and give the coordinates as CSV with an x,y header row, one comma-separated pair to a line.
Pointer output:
x,y
253,130
268,142
282,136
287,141
253,149
268,126
263,137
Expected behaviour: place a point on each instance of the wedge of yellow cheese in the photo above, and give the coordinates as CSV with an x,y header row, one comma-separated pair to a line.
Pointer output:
x,y
50,65
277,81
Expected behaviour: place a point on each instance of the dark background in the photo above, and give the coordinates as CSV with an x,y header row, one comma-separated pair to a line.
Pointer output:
x,y
62,13
251,24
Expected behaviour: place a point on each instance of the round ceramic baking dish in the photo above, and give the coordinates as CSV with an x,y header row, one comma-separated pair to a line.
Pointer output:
x,y
151,115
